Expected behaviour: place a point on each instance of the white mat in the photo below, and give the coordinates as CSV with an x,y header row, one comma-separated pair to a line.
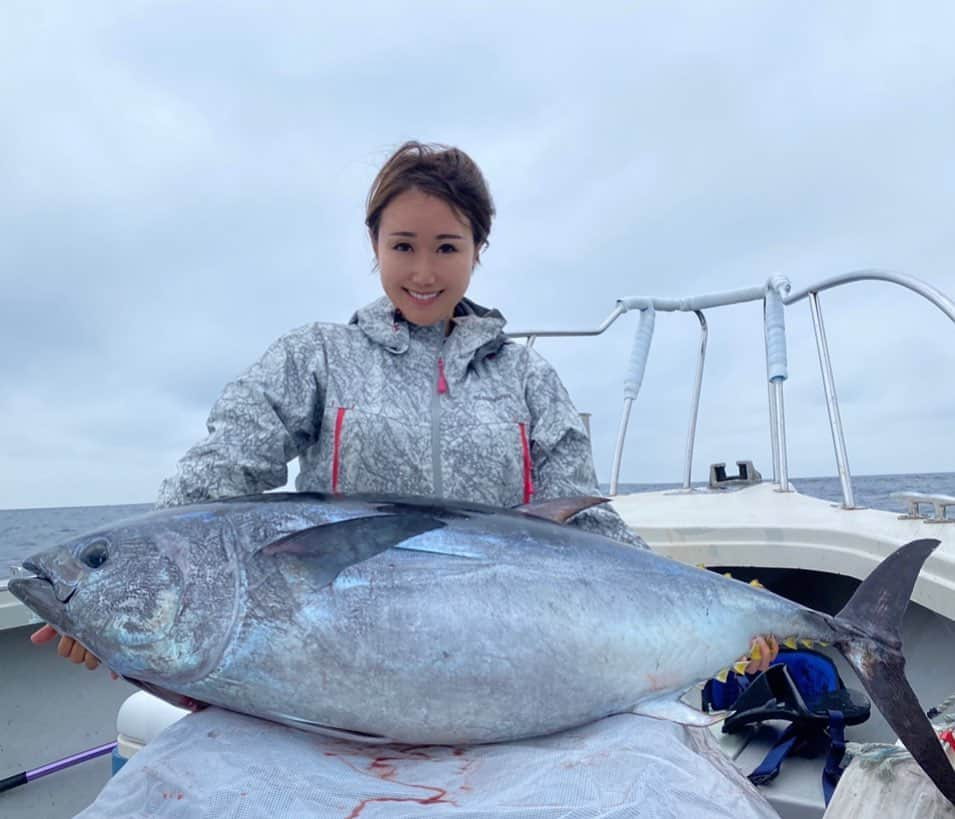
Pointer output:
x,y
217,764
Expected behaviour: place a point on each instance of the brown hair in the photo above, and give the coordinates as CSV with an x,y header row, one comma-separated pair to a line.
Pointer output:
x,y
437,170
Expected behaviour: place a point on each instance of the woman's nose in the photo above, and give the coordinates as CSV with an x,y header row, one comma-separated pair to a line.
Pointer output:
x,y
423,274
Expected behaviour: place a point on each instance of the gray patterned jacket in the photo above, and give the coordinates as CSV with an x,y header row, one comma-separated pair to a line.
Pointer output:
x,y
383,406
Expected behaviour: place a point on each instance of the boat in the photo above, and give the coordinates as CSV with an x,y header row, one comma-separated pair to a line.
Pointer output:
x,y
811,550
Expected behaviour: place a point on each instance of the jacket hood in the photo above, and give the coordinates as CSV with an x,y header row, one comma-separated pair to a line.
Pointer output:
x,y
478,331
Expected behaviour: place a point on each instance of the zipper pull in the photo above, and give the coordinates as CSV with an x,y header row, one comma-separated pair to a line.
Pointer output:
x,y
442,381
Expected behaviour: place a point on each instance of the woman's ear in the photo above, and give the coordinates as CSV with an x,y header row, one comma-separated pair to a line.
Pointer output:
x,y
374,250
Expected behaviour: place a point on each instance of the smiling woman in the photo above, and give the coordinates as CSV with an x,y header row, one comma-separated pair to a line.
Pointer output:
x,y
421,393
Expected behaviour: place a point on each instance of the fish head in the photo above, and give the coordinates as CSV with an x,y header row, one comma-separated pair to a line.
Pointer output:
x,y
153,599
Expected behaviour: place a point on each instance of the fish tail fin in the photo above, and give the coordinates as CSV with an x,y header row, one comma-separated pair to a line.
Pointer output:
x,y
869,636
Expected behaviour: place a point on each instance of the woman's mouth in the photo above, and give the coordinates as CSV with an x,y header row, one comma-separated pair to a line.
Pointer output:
x,y
423,298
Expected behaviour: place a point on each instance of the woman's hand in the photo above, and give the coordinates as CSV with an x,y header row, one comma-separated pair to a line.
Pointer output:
x,y
68,647
762,654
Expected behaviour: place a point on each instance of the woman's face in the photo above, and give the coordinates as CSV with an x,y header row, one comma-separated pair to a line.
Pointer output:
x,y
426,255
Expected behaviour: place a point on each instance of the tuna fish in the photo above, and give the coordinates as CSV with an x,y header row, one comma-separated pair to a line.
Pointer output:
x,y
434,622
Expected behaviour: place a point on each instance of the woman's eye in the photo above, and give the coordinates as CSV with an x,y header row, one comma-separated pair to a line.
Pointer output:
x,y
446,248
95,554
402,247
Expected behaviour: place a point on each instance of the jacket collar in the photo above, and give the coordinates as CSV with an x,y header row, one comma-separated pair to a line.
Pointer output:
x,y
478,331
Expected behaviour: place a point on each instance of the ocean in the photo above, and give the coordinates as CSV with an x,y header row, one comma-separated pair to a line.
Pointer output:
x,y
25,531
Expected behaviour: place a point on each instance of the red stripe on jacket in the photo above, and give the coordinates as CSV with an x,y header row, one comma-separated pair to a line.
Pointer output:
x,y
336,463
526,452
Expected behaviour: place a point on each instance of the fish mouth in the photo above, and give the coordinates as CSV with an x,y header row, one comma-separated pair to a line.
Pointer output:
x,y
34,587
29,567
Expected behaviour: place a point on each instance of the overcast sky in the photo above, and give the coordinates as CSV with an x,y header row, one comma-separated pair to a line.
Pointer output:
x,y
180,183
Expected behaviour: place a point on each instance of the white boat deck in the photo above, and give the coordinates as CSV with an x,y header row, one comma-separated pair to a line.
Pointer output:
x,y
760,526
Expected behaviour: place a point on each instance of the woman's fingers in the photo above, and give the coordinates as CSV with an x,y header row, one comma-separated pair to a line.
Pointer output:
x,y
773,648
43,634
761,655
77,653
65,648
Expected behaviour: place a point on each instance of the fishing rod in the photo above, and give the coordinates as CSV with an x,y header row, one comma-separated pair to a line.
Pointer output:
x,y
52,767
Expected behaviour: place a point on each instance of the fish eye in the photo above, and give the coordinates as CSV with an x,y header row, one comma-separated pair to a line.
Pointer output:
x,y
95,554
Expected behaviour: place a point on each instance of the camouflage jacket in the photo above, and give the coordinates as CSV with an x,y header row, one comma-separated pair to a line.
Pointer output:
x,y
384,406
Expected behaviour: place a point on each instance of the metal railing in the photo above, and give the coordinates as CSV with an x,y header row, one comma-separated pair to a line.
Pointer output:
x,y
776,295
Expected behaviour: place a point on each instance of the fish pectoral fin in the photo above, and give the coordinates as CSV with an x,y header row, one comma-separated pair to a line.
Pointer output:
x,y
336,546
560,510
446,549
329,731
672,707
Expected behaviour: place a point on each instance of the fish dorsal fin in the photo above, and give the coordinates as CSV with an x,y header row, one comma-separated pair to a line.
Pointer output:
x,y
333,547
560,510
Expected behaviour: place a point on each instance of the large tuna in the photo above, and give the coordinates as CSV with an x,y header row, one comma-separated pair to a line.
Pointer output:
x,y
426,621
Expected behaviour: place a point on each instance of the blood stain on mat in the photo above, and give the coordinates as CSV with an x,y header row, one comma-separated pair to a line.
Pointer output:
x,y
382,766
439,797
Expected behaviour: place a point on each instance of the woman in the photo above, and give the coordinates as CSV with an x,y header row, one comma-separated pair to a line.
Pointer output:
x,y
420,393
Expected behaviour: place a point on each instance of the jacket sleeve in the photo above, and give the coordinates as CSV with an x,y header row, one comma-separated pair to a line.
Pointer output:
x,y
561,455
261,421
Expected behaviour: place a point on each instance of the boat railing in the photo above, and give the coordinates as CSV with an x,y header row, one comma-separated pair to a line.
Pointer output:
x,y
776,296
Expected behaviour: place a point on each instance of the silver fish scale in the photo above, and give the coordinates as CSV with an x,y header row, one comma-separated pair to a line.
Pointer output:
x,y
333,613
540,628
